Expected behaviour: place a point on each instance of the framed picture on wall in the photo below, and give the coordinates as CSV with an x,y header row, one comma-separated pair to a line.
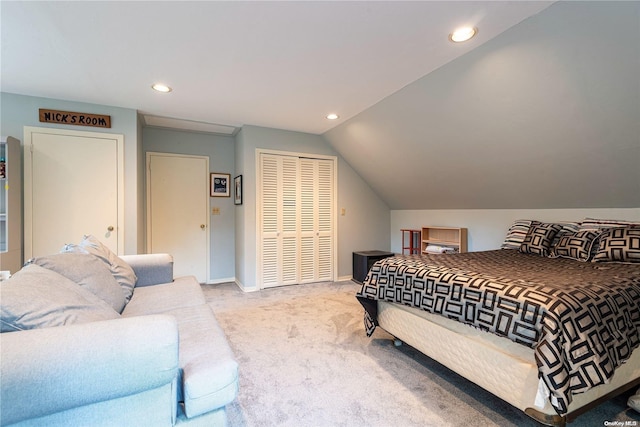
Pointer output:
x,y
237,190
219,184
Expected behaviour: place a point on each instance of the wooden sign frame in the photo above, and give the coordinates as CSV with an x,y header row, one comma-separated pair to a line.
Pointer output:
x,y
73,118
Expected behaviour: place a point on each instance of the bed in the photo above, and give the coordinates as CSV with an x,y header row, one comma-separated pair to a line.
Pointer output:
x,y
550,322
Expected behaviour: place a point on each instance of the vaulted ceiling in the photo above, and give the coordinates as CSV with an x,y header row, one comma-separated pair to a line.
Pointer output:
x,y
540,110
545,115
280,64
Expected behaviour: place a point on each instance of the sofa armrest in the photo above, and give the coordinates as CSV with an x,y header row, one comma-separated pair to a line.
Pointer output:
x,y
151,269
49,370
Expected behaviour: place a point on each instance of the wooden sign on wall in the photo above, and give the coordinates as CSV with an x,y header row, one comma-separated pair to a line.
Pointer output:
x,y
72,118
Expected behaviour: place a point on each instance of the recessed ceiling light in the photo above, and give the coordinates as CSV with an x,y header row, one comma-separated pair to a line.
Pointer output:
x,y
332,116
161,88
463,34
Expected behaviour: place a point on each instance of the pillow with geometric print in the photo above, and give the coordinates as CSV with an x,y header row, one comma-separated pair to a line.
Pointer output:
x,y
599,225
539,238
575,246
619,244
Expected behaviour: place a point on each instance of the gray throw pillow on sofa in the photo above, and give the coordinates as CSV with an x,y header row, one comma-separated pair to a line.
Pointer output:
x,y
36,297
87,271
122,271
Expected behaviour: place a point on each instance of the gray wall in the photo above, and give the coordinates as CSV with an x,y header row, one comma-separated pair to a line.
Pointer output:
x,y
243,242
365,224
546,115
220,150
543,121
18,111
487,228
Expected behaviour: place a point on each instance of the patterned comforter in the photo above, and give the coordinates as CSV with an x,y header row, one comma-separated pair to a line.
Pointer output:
x,y
582,319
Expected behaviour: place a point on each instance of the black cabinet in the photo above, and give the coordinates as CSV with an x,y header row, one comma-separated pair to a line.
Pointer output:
x,y
363,260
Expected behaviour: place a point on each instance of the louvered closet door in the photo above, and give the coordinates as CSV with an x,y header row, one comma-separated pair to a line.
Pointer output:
x,y
297,206
279,223
316,222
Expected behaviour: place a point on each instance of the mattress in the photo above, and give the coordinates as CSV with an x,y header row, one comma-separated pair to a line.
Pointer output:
x,y
497,364
581,319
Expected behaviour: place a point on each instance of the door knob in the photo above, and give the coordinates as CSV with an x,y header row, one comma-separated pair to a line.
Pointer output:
x,y
203,226
110,228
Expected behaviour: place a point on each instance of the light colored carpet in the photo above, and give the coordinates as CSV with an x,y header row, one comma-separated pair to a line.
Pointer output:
x,y
305,360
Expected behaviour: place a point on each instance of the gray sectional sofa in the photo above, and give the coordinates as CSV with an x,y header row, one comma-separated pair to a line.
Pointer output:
x,y
143,349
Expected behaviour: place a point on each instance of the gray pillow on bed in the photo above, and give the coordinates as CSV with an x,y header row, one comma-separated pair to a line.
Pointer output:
x,y
539,238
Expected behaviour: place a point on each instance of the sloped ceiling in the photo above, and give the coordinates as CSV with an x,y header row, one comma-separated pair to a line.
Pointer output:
x,y
546,115
540,110
277,64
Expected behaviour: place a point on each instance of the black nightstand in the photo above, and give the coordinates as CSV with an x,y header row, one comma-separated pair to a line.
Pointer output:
x,y
363,260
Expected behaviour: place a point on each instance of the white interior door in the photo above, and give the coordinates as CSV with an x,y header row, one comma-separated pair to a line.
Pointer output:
x,y
73,186
178,211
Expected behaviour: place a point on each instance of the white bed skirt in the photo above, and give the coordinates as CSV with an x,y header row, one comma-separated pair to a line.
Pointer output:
x,y
497,364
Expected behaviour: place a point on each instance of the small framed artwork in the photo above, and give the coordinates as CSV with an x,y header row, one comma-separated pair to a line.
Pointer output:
x,y
219,184
237,192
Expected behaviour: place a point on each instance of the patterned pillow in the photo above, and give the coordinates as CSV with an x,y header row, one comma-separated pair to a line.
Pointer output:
x,y
574,245
516,234
539,238
567,227
601,224
619,244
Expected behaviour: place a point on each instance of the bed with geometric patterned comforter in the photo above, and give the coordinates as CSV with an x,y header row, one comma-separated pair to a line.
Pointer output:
x,y
582,319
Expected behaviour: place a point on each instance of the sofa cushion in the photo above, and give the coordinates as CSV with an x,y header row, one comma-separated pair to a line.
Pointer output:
x,y
208,371
87,271
122,272
208,376
150,269
116,373
182,292
36,297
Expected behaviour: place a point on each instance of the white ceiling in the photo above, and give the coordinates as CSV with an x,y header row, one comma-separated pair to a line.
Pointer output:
x,y
275,64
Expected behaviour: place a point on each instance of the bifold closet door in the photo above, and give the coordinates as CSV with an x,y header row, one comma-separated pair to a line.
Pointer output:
x,y
296,220
316,222
279,220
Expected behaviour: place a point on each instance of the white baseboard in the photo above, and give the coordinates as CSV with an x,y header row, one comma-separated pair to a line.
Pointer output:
x,y
245,289
218,281
255,288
